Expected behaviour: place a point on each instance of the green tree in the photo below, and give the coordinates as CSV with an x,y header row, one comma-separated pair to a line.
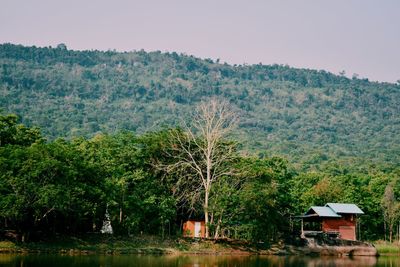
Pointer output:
x,y
391,209
13,133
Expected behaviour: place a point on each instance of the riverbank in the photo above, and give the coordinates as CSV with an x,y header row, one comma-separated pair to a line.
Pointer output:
x,y
386,248
100,244
103,244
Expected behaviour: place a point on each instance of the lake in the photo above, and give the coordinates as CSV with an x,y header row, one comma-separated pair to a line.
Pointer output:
x,y
190,261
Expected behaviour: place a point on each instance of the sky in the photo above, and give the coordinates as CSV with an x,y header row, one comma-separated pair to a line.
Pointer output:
x,y
358,36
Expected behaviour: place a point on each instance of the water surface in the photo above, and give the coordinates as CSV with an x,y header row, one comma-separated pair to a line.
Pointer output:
x,y
191,261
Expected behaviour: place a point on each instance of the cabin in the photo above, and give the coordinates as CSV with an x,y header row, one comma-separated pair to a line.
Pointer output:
x,y
194,228
337,220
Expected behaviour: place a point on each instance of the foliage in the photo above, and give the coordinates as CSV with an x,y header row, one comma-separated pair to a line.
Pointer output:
x,y
12,133
311,117
65,187
339,138
48,187
391,209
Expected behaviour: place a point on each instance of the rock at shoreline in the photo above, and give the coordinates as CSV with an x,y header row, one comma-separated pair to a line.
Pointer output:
x,y
327,246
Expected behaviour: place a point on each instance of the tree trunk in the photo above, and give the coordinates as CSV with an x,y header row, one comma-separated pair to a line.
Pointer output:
x,y
216,235
25,237
398,234
162,228
206,213
120,207
207,189
384,230
217,229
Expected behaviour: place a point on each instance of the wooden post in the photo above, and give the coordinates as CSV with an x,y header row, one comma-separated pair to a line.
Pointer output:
x,y
302,228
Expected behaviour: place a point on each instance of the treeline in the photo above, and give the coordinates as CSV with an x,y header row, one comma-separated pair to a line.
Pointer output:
x,y
66,187
312,117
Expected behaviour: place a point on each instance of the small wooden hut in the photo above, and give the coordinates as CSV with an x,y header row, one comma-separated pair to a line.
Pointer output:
x,y
194,228
335,219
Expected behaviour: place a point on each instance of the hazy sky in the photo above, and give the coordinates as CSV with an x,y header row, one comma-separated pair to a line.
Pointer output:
x,y
358,36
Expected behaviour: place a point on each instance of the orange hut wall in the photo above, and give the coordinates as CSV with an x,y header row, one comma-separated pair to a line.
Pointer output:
x,y
188,229
346,226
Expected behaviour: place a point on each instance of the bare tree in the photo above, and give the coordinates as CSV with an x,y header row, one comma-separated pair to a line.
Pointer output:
x,y
391,209
201,150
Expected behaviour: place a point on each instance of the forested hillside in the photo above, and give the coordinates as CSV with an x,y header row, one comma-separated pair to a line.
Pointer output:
x,y
306,115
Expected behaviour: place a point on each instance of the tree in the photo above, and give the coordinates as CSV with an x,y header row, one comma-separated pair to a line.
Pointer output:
x,y
137,200
12,133
254,204
49,188
391,209
202,151
62,46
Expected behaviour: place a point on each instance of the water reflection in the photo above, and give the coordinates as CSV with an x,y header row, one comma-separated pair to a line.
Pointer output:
x,y
192,261
342,262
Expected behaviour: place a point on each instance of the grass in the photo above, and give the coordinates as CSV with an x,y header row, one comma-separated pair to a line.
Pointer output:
x,y
92,244
7,245
104,244
386,248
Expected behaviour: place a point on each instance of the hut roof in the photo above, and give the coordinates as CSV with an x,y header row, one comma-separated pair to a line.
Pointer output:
x,y
322,212
344,208
331,210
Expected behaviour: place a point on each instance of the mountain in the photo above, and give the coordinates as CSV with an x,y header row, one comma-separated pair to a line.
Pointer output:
x,y
306,115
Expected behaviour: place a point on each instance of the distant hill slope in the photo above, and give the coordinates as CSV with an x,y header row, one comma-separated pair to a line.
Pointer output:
x,y
308,115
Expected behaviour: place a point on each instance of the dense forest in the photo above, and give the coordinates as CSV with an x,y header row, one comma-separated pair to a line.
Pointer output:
x,y
65,187
310,117
98,131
